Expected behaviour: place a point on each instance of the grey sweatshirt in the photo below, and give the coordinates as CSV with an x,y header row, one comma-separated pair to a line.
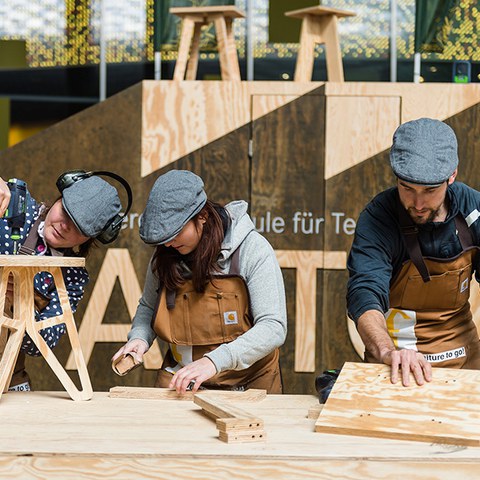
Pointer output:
x,y
260,270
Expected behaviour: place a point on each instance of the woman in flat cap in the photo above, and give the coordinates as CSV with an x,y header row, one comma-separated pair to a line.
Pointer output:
x,y
87,210
213,291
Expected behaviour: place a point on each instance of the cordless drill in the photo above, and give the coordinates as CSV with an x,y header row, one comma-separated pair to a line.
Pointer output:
x,y
15,213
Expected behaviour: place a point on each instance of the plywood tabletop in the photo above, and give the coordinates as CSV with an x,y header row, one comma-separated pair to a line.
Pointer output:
x,y
40,261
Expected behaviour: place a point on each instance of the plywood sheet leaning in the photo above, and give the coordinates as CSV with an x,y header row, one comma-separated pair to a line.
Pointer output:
x,y
364,402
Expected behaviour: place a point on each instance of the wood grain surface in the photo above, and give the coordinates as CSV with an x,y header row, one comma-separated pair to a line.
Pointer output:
x,y
364,402
124,439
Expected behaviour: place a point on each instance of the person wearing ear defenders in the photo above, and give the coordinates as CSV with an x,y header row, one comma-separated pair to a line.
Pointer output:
x,y
87,210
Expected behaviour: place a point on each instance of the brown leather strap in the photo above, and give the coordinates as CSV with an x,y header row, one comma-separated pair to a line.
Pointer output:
x,y
410,235
28,247
463,232
235,263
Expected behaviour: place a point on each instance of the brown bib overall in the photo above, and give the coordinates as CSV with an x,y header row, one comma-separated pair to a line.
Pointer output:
x,y
429,308
196,323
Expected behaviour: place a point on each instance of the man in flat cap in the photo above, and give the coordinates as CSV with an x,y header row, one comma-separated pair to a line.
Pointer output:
x,y
412,259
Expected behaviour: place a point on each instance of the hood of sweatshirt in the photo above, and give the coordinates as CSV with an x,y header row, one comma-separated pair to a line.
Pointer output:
x,y
241,225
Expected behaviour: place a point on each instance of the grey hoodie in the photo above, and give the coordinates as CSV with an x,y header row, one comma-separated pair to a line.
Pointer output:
x,y
260,270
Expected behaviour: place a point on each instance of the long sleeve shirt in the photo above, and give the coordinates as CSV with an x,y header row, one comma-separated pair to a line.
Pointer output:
x,y
378,250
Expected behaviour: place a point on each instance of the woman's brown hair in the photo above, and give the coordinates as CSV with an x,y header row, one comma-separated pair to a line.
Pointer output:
x,y
203,260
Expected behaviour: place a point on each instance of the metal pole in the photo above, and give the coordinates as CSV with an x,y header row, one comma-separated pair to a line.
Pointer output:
x,y
249,40
157,35
103,63
417,61
393,40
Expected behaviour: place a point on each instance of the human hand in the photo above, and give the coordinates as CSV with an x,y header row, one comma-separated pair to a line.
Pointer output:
x,y
4,196
408,361
197,372
136,346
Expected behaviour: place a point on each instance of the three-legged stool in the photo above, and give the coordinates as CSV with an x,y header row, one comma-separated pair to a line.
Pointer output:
x,y
23,268
319,25
193,18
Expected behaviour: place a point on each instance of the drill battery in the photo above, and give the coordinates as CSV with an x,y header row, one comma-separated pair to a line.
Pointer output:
x,y
17,208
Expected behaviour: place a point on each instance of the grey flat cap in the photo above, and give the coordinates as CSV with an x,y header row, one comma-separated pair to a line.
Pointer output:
x,y
424,152
91,203
176,197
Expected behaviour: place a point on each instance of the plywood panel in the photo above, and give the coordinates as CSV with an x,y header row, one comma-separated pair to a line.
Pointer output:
x,y
435,100
364,402
349,141
180,117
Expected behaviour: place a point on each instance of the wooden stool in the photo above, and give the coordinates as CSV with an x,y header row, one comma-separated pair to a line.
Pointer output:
x,y
23,268
319,25
193,18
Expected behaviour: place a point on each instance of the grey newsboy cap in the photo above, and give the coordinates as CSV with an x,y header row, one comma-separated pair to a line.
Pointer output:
x,y
91,203
176,197
424,152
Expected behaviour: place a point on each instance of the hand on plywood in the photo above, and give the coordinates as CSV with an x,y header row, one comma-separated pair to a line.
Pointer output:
x,y
408,361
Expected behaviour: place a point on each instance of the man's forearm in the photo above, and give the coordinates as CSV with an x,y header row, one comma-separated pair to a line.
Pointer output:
x,y
373,331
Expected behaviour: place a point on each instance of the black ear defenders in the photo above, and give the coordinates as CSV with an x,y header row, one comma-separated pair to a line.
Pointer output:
x,y
112,229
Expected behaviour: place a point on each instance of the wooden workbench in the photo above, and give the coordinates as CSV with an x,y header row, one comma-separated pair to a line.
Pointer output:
x,y
47,435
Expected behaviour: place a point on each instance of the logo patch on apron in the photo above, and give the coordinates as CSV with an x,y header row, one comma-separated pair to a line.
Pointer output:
x,y
230,318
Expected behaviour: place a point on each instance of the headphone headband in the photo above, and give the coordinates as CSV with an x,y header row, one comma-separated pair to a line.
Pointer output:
x,y
112,229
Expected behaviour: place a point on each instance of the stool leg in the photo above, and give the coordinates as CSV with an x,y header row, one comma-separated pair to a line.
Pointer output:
x,y
183,48
306,51
232,50
228,71
9,356
34,327
333,55
192,65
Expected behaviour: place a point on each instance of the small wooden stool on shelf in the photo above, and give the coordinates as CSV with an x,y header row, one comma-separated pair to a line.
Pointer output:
x,y
193,18
319,25
23,268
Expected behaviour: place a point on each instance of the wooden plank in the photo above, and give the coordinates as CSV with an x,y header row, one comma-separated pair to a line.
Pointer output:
x,y
128,466
220,408
243,436
364,402
150,393
146,393
40,261
233,423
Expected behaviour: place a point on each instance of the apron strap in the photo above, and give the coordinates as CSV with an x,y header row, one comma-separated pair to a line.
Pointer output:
x,y
463,232
28,247
235,263
410,235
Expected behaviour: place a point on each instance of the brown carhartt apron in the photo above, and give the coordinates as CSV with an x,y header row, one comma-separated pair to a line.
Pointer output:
x,y
429,309
195,323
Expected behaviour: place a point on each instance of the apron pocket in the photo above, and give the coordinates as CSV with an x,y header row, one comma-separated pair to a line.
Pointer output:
x,y
448,291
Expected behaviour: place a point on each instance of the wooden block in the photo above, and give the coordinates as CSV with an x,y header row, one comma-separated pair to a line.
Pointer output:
x,y
233,423
217,406
125,364
146,393
242,436
364,402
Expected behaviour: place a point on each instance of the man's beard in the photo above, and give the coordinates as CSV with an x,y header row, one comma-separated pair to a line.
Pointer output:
x,y
433,213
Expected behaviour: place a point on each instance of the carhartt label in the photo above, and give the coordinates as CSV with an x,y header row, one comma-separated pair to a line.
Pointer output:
x,y
445,356
230,318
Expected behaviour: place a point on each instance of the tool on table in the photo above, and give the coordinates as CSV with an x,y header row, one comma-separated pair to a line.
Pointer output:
x,y
324,383
16,210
